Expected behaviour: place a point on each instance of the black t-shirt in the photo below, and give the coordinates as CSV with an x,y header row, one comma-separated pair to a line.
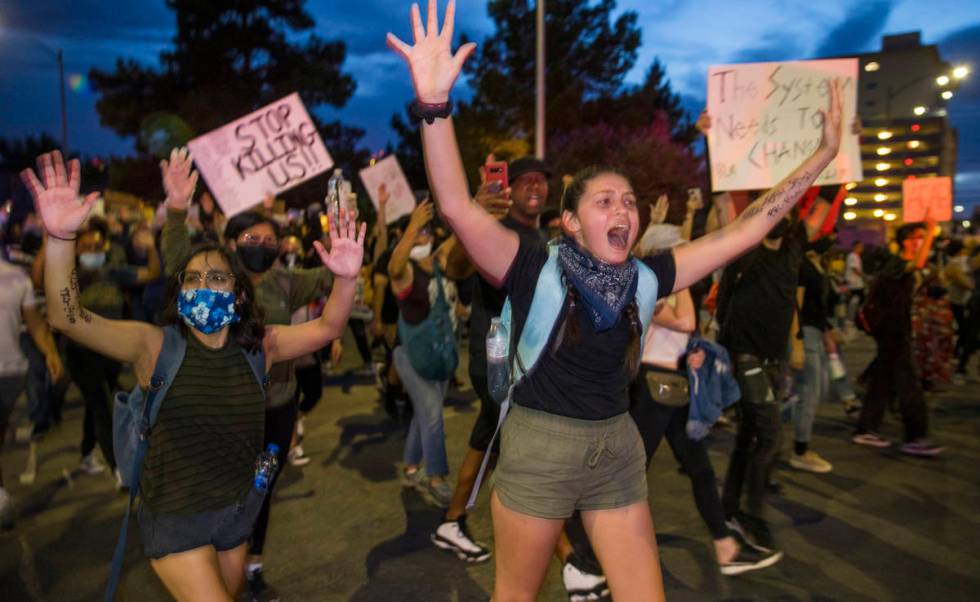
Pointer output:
x,y
389,308
489,301
757,298
892,294
817,297
585,379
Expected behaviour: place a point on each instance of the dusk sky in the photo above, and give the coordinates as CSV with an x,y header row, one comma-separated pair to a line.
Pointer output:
x,y
687,36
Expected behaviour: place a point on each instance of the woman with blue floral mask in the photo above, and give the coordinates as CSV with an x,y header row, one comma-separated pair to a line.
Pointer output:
x,y
197,512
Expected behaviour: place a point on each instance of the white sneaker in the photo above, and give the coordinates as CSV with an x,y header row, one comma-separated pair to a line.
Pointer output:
x,y
582,586
297,457
92,465
117,476
452,535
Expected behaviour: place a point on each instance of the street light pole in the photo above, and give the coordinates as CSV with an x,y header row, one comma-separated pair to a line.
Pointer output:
x,y
539,85
64,112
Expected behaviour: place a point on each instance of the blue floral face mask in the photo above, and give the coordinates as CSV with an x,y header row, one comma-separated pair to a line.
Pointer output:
x,y
207,310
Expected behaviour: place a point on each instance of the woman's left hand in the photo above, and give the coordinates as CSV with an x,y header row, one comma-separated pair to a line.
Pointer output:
x,y
346,247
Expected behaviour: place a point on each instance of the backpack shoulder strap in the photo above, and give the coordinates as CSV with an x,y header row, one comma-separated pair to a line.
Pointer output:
x,y
256,361
546,304
168,363
647,289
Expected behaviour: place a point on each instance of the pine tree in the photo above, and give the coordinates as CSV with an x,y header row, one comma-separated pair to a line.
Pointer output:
x,y
228,58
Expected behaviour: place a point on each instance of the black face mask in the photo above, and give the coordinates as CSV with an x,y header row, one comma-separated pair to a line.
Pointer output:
x,y
822,245
257,259
780,229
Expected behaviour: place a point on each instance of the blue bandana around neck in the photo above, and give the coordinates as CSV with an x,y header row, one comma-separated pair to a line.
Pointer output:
x,y
206,310
605,289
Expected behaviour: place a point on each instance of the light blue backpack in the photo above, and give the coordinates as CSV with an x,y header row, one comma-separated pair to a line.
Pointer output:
x,y
546,305
135,413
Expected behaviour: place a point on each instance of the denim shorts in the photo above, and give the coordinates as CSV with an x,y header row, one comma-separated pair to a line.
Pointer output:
x,y
551,465
225,528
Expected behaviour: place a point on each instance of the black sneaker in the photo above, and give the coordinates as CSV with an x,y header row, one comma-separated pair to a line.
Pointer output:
x,y
752,530
750,558
257,590
454,536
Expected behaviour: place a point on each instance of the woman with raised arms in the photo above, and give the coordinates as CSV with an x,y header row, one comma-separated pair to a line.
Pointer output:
x,y
569,443
197,506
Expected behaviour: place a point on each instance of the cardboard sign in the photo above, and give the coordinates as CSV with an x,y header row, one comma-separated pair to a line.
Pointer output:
x,y
265,152
932,194
388,172
766,119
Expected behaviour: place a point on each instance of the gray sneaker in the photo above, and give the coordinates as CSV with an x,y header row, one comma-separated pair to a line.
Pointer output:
x,y
413,479
439,493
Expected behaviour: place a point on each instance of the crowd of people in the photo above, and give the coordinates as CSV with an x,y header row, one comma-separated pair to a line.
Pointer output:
x,y
619,339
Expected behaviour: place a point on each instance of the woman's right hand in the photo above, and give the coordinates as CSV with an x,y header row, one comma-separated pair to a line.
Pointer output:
x,y
179,179
433,66
56,200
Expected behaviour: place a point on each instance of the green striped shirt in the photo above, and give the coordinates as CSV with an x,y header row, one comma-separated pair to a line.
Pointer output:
x,y
208,433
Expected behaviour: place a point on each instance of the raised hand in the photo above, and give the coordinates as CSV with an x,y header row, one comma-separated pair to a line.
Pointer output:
x,y
346,247
56,199
658,211
833,118
431,61
383,196
421,216
179,178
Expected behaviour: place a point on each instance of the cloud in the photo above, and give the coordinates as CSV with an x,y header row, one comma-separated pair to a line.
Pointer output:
x,y
775,46
858,29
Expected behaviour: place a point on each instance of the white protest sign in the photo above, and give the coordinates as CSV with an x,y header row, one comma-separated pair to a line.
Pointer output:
x,y
388,172
265,152
927,195
766,119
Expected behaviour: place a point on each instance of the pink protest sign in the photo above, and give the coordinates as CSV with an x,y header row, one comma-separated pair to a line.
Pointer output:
x,y
932,194
766,119
389,172
265,152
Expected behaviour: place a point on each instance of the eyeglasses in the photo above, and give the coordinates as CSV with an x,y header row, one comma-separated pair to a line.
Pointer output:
x,y
252,240
214,280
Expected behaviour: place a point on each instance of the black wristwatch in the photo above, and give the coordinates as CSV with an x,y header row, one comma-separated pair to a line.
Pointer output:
x,y
430,112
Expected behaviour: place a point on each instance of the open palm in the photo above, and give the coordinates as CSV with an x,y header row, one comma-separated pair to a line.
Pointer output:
x,y
431,61
56,194
179,178
346,247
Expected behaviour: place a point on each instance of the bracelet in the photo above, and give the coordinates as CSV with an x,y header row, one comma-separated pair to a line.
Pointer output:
x,y
64,239
429,112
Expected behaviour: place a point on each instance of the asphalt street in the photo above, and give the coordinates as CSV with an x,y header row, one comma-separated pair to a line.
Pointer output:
x,y
881,526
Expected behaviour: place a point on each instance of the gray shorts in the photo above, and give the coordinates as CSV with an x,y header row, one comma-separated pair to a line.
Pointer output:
x,y
225,528
550,465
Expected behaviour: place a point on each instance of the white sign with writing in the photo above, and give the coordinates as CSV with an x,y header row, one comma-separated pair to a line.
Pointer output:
x,y
766,119
389,172
265,152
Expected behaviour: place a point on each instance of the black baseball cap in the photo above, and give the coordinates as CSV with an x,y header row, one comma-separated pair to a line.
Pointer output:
x,y
519,167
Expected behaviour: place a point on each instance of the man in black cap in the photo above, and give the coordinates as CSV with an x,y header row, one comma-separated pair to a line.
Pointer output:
x,y
518,208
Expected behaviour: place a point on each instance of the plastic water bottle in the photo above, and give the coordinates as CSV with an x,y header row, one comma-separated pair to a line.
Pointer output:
x,y
836,366
265,467
335,193
498,369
